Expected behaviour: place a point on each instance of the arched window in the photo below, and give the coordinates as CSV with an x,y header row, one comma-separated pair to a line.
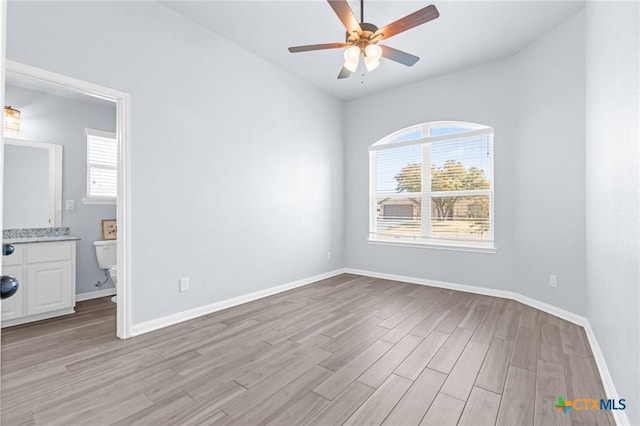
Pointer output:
x,y
432,184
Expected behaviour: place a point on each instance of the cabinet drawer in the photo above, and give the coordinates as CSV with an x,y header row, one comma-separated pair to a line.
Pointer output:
x,y
49,252
16,258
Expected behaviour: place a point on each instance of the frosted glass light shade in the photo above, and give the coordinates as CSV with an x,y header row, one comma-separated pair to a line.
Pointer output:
x,y
352,54
373,51
351,58
351,66
370,63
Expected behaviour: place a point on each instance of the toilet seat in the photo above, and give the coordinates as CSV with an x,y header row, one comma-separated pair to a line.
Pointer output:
x,y
113,273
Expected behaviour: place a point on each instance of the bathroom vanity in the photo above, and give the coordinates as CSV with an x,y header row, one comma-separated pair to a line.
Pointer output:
x,y
44,262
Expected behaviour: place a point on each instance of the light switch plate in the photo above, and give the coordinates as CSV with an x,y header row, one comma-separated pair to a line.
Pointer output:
x,y
184,284
70,205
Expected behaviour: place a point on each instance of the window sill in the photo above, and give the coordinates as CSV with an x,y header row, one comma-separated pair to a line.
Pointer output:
x,y
99,201
438,245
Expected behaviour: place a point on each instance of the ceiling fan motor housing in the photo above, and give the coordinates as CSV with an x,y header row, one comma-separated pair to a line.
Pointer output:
x,y
365,38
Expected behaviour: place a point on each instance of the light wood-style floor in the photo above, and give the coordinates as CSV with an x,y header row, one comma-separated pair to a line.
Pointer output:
x,y
347,350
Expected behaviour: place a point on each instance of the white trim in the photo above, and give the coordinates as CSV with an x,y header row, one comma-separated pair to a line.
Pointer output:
x,y
464,193
485,247
620,417
426,228
373,182
426,195
123,132
54,161
378,146
155,324
123,210
3,59
95,294
434,194
397,195
37,317
100,133
95,201
607,381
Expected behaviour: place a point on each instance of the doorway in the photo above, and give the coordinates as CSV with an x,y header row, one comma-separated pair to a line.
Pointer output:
x,y
59,84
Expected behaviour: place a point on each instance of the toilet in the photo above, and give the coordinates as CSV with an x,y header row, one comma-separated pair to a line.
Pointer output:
x,y
106,253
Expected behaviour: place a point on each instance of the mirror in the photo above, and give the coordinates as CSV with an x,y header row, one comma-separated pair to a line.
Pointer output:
x,y
32,184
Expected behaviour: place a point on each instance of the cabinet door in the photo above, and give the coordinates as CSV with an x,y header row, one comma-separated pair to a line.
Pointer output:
x,y
16,305
49,287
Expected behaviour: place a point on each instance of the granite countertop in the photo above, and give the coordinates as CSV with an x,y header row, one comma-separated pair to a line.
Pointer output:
x,y
37,235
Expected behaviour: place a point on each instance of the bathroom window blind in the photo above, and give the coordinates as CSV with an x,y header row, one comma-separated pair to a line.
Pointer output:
x,y
102,165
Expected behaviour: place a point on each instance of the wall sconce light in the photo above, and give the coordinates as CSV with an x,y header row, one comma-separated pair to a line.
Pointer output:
x,y
11,119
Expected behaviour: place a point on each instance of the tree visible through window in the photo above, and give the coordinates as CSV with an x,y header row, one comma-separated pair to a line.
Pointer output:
x,y
447,167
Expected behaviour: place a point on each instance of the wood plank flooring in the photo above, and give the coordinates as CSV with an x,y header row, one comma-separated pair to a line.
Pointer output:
x,y
347,350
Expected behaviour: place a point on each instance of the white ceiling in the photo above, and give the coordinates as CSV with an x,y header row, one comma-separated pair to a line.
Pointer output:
x,y
466,34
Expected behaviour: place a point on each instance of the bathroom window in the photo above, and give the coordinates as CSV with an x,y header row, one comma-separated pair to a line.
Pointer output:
x,y
432,185
102,167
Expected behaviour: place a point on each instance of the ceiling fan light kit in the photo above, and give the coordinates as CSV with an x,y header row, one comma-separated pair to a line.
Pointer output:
x,y
362,38
351,58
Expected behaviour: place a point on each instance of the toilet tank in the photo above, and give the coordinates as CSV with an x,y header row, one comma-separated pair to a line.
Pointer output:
x,y
106,253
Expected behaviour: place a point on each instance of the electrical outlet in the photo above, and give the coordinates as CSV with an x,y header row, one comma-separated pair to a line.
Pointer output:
x,y
328,255
184,284
70,205
553,281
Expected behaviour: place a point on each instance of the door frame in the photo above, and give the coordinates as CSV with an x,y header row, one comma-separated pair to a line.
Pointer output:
x,y
123,132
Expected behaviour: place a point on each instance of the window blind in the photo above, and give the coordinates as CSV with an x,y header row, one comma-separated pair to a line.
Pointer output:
x,y
438,187
102,164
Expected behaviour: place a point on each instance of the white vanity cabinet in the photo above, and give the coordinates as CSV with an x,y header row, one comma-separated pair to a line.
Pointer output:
x,y
47,275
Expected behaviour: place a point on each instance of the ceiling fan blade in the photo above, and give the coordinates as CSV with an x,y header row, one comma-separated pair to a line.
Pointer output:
x,y
309,47
399,56
346,16
419,17
344,73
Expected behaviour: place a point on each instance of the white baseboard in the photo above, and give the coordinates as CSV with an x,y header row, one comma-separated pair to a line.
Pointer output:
x,y
504,294
38,317
95,294
607,381
158,323
619,416
155,324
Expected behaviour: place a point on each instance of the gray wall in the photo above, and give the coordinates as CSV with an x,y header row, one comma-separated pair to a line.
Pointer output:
x,y
63,121
236,164
535,102
482,95
549,164
613,191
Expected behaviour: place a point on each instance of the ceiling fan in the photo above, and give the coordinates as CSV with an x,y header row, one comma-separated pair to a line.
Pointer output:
x,y
362,37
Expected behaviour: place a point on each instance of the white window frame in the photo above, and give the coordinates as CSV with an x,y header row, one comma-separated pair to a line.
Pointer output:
x,y
426,241
93,200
